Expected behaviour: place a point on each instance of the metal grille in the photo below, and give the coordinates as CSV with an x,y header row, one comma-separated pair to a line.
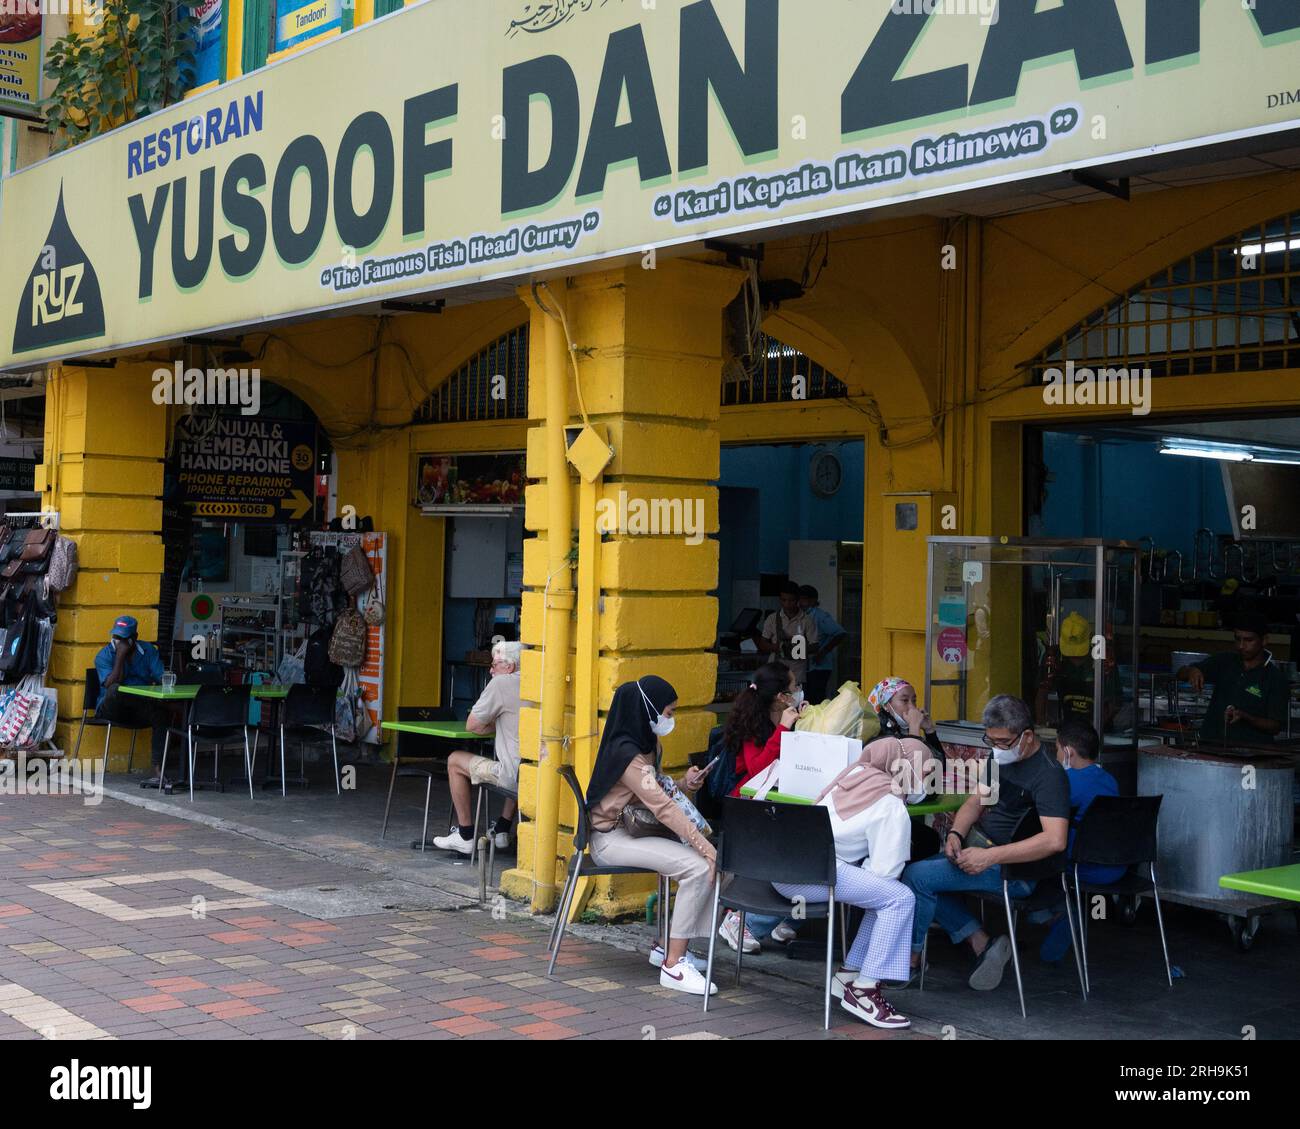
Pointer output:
x,y
773,375
475,392
1232,307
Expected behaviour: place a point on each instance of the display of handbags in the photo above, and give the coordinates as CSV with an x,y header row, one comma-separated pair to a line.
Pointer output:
x,y
29,711
320,595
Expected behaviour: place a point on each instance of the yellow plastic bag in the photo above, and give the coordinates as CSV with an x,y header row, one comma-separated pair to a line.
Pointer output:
x,y
841,716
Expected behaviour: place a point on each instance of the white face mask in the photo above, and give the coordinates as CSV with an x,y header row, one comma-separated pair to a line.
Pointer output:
x,y
660,725
1011,755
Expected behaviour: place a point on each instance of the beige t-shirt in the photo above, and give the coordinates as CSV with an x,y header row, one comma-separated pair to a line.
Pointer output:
x,y
498,706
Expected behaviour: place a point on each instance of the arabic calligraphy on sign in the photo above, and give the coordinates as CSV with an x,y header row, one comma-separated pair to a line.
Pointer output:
x,y
542,15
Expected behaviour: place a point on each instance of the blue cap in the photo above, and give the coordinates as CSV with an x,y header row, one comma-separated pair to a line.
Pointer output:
x,y
124,627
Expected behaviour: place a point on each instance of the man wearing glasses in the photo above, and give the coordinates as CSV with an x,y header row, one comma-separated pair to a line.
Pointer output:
x,y
1250,691
1023,777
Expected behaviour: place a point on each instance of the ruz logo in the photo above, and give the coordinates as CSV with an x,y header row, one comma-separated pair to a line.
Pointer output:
x,y
60,300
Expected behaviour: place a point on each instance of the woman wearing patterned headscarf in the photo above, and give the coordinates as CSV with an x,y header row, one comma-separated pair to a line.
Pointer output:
x,y
894,700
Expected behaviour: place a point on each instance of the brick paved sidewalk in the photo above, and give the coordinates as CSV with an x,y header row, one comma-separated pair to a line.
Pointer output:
x,y
120,922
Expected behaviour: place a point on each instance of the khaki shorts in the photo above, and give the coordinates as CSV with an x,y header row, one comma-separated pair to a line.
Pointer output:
x,y
484,770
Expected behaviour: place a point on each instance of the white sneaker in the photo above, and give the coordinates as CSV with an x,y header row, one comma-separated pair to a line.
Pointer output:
x,y
685,977
454,842
657,957
783,934
729,930
502,840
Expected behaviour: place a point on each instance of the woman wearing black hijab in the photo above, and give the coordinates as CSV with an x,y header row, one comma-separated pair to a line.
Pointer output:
x,y
624,773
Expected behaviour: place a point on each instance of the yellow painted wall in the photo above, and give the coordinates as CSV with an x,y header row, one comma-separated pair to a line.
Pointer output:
x,y
931,358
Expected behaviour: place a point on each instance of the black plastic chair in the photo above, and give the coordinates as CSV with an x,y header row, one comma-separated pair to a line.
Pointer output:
x,y
419,747
764,843
582,865
89,702
1119,831
203,673
1043,896
307,714
217,715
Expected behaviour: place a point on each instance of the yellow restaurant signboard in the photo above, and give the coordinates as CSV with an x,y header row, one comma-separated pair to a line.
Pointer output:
x,y
464,140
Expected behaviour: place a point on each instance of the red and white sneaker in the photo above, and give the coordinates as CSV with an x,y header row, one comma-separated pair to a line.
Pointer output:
x,y
870,1006
842,979
683,977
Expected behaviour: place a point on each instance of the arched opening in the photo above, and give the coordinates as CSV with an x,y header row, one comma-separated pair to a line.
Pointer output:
x,y
790,512
246,475
1210,496
478,493
1231,307
493,384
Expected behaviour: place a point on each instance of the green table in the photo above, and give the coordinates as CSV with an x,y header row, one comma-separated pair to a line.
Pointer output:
x,y
451,730
187,692
1277,882
947,802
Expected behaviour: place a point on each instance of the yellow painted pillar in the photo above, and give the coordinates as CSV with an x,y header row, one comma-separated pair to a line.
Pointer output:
x,y
105,440
649,361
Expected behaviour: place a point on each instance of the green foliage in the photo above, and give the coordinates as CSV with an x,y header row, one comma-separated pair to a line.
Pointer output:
x,y
139,57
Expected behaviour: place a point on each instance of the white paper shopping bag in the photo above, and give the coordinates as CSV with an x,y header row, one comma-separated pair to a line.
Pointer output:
x,y
810,761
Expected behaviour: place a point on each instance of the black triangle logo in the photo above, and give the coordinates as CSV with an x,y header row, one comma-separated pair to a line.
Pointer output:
x,y
61,302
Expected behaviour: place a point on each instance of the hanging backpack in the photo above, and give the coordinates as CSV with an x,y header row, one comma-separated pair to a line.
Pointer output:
x,y
723,779
63,565
318,668
348,642
19,641
356,574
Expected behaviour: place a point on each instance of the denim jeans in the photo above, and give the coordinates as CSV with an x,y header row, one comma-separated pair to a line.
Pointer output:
x,y
760,925
935,880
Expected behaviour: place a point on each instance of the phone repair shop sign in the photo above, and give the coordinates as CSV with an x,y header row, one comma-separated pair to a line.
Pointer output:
x,y
18,474
484,140
241,469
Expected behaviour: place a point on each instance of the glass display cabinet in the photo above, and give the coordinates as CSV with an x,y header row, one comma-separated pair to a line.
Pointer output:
x,y
1053,622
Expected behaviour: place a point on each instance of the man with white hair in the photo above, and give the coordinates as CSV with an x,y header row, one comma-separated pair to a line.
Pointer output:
x,y
497,709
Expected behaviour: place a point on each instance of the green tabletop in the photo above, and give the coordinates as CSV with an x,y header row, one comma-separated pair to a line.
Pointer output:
x,y
188,691
948,802
1277,882
454,730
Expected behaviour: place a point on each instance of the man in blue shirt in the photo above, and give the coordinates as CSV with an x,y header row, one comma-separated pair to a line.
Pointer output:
x,y
829,636
1077,749
125,661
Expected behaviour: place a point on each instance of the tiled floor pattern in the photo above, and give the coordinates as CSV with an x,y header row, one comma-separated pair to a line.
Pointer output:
x,y
118,923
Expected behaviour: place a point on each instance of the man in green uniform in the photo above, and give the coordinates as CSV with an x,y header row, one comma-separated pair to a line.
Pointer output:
x,y
1250,692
